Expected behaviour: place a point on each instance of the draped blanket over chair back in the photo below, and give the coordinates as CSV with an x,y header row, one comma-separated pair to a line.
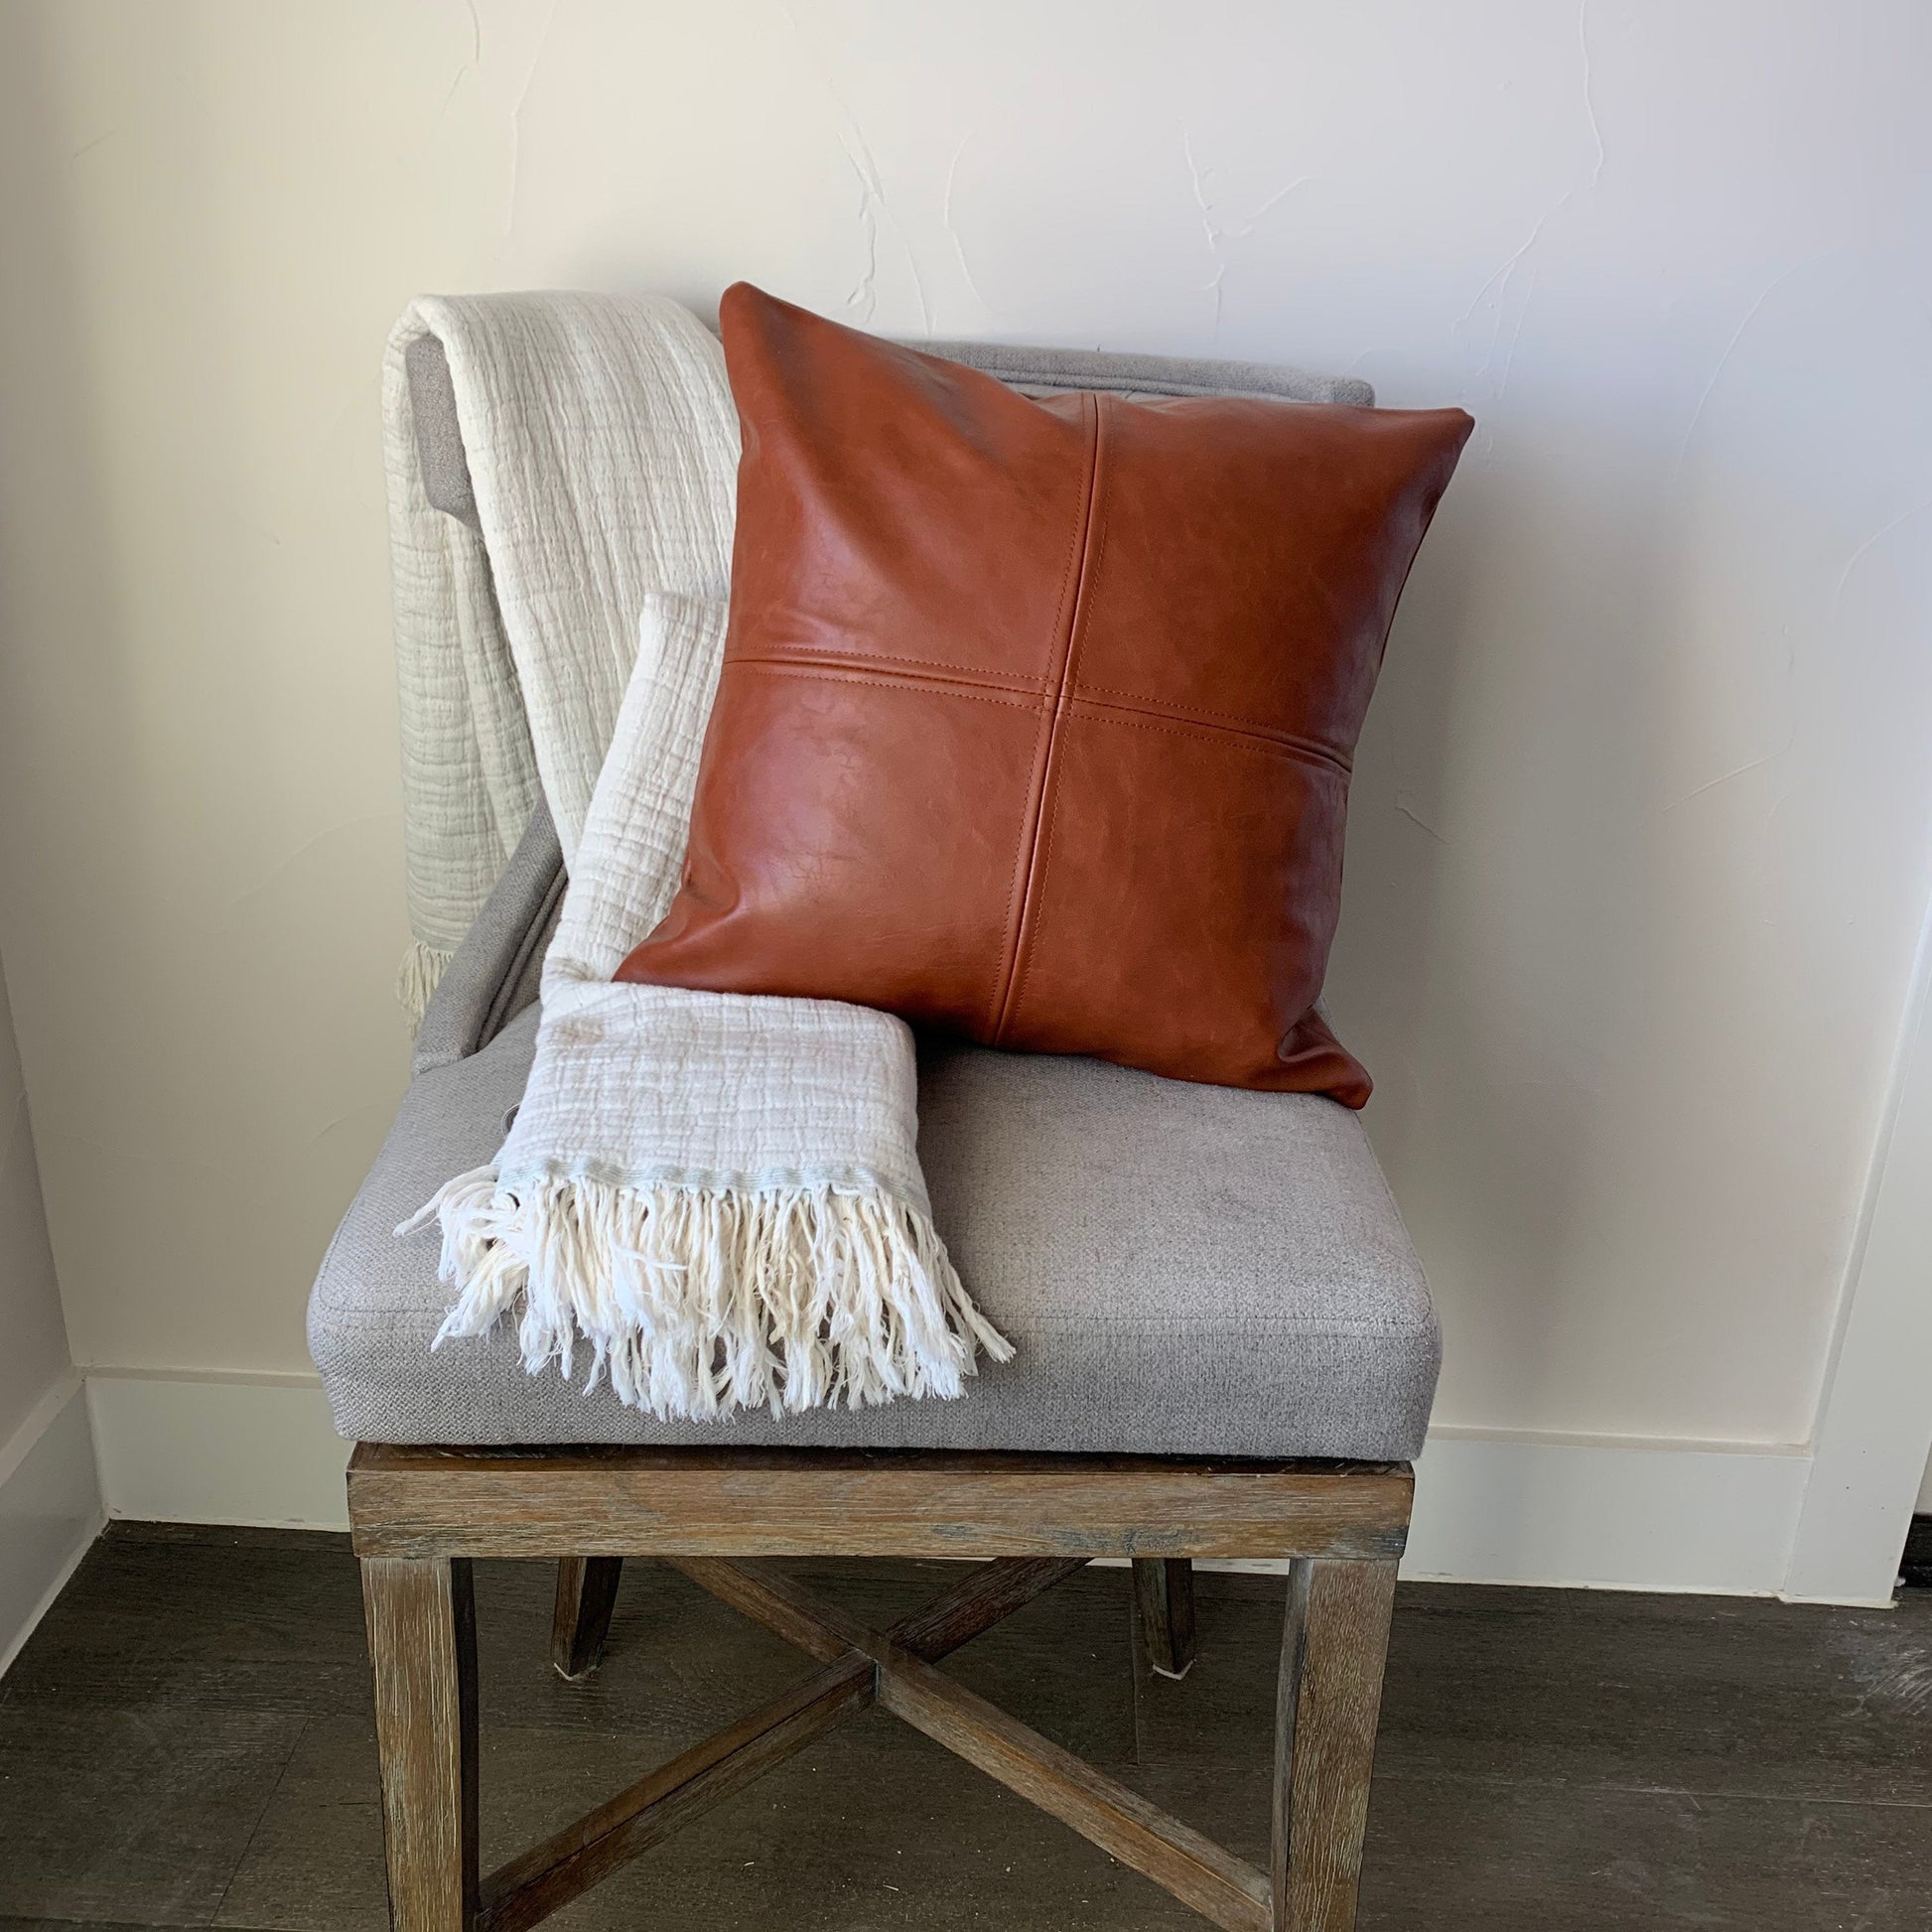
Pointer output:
x,y
585,456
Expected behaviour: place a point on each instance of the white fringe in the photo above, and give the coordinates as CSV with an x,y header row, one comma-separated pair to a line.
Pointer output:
x,y
701,1302
416,976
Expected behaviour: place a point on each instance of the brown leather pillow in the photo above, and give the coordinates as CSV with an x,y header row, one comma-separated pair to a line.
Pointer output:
x,y
1035,718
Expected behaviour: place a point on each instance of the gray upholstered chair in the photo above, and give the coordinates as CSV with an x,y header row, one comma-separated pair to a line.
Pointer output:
x,y
1242,1367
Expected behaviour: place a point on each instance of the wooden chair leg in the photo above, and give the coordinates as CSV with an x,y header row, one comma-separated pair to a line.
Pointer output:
x,y
423,1643
586,1593
1329,1697
1165,1589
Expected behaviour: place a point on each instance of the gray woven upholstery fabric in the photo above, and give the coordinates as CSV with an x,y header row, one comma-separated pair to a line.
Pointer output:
x,y
1183,1270
438,435
1048,371
497,972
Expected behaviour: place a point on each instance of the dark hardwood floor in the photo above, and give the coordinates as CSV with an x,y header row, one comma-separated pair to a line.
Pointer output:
x,y
186,1742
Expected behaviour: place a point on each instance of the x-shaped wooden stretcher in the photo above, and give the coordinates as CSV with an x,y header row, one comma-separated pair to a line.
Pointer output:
x,y
895,1669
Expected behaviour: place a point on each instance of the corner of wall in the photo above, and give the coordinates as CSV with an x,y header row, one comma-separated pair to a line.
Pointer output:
x,y
51,1509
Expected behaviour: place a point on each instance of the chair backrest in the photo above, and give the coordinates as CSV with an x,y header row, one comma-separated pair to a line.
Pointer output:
x,y
498,970
1032,371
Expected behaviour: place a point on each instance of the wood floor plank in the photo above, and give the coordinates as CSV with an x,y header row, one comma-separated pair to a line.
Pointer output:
x,y
315,1861
1708,1695
1550,1761
64,1925
247,1624
1479,1857
136,1815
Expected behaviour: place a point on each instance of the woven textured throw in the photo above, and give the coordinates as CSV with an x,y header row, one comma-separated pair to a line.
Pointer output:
x,y
601,447
717,1198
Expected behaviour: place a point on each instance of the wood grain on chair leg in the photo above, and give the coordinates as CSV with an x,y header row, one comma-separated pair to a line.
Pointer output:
x,y
1165,1589
423,1643
586,1593
1329,1697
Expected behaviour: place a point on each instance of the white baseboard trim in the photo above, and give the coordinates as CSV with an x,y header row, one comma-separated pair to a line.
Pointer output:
x,y
50,1510
178,1448
1603,1514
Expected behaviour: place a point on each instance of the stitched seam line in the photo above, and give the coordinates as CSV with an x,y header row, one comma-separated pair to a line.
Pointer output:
x,y
1208,727
1029,823
804,654
1177,724
1035,909
1147,705
1031,690
886,682
1222,735
1095,541
1103,691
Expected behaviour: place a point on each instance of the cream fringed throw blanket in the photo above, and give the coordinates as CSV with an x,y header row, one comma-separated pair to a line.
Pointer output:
x,y
602,446
719,1196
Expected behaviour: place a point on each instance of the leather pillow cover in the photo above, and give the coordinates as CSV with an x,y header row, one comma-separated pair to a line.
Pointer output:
x,y
1036,717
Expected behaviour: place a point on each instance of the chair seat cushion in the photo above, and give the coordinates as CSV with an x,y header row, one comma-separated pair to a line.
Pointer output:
x,y
1182,1269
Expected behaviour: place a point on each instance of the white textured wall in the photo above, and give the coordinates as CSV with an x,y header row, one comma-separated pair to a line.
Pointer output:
x,y
1640,837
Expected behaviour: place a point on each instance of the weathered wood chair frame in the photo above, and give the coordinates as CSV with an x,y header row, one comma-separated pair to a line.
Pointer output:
x,y
421,1516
